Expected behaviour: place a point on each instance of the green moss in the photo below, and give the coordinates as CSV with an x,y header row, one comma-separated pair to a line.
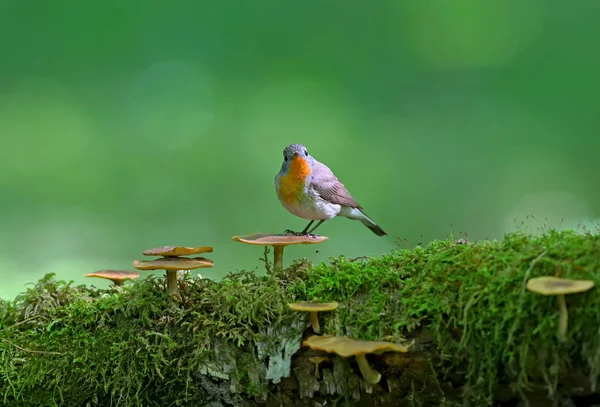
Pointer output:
x,y
479,291
68,346
133,346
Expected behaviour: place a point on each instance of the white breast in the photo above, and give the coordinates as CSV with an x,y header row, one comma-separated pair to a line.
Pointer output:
x,y
312,207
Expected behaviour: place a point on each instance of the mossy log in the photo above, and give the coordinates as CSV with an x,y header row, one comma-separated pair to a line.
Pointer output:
x,y
478,336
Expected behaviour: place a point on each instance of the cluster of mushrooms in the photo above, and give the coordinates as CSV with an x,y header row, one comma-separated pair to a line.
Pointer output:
x,y
342,345
173,259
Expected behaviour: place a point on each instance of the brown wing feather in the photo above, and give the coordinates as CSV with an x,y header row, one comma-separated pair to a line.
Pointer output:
x,y
330,188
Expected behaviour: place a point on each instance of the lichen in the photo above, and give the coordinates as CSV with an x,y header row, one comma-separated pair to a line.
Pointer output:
x,y
277,346
221,363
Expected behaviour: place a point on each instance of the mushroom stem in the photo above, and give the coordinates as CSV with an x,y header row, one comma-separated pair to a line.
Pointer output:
x,y
278,257
314,321
172,287
563,322
317,360
369,374
117,282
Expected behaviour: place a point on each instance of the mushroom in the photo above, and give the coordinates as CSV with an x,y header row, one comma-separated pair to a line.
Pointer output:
x,y
346,347
116,276
559,287
317,360
314,308
175,251
278,241
171,265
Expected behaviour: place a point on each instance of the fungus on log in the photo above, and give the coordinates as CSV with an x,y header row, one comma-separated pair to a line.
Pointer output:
x,y
172,263
346,347
314,308
317,360
278,241
560,287
176,251
116,276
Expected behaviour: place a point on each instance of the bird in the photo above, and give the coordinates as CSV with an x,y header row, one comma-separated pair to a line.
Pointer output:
x,y
308,189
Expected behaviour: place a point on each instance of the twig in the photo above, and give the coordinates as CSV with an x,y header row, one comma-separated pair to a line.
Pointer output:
x,y
19,323
29,350
468,306
522,296
265,259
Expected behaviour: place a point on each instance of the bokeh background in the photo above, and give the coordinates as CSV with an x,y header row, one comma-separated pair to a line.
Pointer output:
x,y
129,125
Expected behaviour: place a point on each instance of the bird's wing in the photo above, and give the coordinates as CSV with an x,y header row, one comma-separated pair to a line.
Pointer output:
x,y
329,187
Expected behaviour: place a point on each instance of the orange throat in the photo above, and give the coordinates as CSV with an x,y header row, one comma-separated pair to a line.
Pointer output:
x,y
291,185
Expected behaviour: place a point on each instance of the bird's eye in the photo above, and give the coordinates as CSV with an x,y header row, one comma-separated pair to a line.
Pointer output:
x,y
285,158
306,153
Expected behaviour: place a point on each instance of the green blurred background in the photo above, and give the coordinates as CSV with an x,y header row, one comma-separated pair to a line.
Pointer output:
x,y
129,125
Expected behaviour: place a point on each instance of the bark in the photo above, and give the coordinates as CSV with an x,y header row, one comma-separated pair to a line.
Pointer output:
x,y
408,379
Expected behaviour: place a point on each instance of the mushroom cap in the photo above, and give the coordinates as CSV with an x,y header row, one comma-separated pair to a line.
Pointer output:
x,y
173,251
318,359
266,239
114,275
173,263
556,285
313,306
346,347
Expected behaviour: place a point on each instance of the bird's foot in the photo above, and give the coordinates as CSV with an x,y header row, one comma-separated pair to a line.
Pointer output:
x,y
292,233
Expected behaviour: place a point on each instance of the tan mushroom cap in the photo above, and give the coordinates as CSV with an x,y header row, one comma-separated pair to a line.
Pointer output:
x,y
313,306
318,359
556,286
346,347
266,239
173,263
115,275
173,251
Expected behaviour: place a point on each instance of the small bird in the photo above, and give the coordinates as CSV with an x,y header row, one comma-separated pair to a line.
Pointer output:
x,y
308,189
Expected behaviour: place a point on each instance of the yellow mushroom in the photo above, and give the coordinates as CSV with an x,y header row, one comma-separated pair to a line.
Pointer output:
x,y
278,241
346,347
116,276
171,265
559,287
314,308
317,360
175,251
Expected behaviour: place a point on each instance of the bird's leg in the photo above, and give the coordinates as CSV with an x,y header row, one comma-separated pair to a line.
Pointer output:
x,y
303,233
306,228
310,233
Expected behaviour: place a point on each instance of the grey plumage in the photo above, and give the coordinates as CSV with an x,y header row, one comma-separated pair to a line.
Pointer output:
x,y
330,188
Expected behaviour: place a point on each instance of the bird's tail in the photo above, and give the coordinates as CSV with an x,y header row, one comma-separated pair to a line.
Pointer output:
x,y
368,222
